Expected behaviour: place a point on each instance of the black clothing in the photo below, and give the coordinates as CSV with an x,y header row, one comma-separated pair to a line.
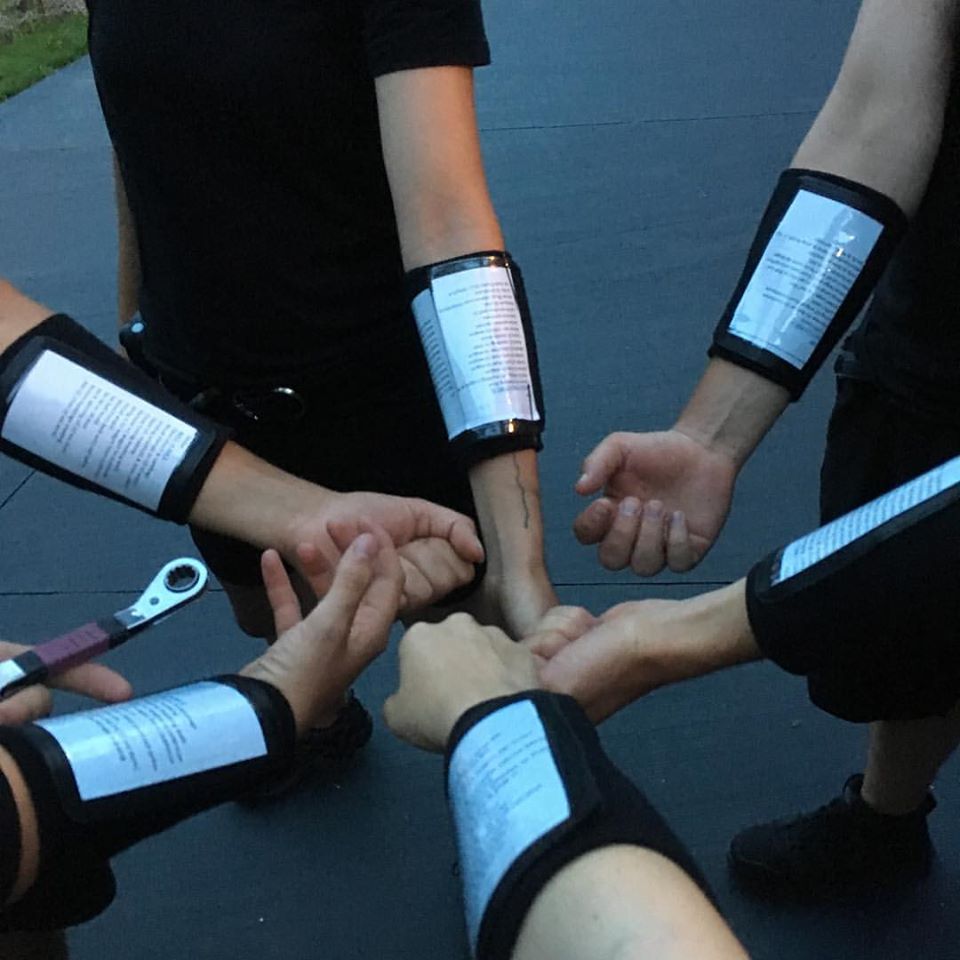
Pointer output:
x,y
874,445
909,342
898,414
248,140
247,136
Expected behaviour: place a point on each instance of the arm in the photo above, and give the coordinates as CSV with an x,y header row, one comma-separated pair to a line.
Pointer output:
x,y
880,127
245,497
432,153
128,253
844,594
624,903
616,883
639,646
311,665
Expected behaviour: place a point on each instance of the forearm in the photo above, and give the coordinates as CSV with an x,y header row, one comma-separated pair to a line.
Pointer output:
x,y
128,253
624,902
249,499
731,410
713,633
506,491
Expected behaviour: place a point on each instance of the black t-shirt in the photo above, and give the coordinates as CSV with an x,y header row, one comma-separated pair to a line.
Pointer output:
x,y
909,342
247,136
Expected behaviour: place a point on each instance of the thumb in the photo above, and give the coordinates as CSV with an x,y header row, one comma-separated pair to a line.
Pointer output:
x,y
600,465
334,614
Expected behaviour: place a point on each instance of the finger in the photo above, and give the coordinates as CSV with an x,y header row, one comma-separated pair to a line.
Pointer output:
x,y
560,626
380,604
594,522
334,614
27,705
417,593
546,643
441,569
458,530
280,593
617,545
95,680
601,464
649,552
681,555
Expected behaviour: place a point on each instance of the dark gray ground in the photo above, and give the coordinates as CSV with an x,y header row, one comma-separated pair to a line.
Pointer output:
x,y
631,148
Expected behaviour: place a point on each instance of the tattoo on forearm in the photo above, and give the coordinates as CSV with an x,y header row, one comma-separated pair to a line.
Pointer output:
x,y
523,493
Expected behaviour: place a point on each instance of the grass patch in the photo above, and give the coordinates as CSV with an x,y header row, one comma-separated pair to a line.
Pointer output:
x,y
35,51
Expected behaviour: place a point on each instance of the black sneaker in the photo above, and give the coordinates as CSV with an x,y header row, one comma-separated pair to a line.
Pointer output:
x,y
321,753
844,848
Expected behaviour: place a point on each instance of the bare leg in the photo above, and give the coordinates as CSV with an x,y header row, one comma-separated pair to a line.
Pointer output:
x,y
904,758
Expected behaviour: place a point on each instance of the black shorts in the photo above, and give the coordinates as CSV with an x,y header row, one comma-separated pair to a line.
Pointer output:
x,y
873,445
372,422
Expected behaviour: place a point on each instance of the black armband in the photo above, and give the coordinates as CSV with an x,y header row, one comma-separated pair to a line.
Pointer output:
x,y
104,779
882,581
820,250
72,408
531,790
475,327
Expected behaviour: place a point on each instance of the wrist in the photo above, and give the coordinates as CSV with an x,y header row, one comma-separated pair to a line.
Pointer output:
x,y
247,498
716,631
731,411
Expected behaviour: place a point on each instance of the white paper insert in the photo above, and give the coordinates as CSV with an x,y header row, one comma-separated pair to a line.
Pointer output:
x,y
811,549
507,793
158,738
473,336
10,673
96,430
804,275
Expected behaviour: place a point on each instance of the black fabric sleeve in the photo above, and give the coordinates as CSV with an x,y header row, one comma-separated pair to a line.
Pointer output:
x,y
612,811
71,340
890,594
78,838
409,34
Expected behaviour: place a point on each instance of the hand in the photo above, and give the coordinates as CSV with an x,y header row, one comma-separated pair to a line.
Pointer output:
x,y
666,497
315,660
637,647
436,547
90,680
447,668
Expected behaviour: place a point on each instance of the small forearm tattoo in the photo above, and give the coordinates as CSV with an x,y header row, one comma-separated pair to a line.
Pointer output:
x,y
523,492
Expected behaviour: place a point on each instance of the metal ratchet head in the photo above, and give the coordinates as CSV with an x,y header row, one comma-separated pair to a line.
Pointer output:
x,y
179,582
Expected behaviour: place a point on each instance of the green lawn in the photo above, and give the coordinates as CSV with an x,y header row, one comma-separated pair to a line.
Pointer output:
x,y
36,51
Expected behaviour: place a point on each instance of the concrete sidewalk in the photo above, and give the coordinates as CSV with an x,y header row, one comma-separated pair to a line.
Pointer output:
x,y
630,148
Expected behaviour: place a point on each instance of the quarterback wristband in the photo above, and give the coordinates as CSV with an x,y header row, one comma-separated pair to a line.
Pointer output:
x,y
882,581
819,252
475,327
102,780
531,790
72,408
